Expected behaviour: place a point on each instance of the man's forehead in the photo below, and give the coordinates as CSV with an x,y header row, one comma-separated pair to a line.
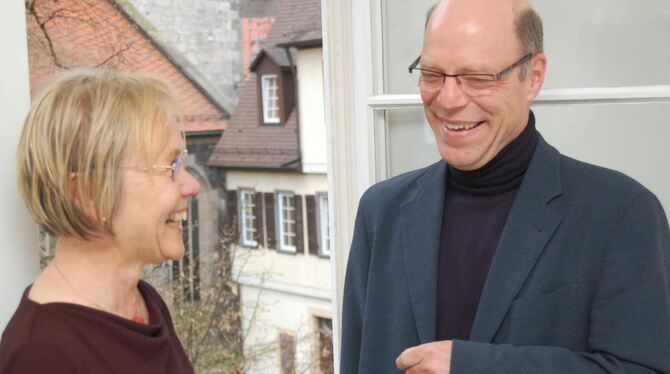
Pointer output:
x,y
469,27
467,13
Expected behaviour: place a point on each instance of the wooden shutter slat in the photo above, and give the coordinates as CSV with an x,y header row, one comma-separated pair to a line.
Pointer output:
x,y
312,233
269,198
232,224
299,232
258,213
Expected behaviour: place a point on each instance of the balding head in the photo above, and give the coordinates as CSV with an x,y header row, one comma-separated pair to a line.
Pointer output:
x,y
468,38
527,25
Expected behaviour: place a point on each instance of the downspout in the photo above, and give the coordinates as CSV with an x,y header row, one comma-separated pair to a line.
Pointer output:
x,y
294,69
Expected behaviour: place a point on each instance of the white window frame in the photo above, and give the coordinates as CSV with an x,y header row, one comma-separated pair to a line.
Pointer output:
x,y
325,244
271,97
281,219
246,208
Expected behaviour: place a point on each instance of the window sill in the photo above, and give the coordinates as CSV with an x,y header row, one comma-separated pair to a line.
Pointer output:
x,y
293,251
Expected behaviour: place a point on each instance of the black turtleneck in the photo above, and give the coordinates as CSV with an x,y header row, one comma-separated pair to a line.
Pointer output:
x,y
476,207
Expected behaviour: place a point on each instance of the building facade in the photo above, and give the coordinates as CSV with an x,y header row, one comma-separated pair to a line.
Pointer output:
x,y
274,154
207,33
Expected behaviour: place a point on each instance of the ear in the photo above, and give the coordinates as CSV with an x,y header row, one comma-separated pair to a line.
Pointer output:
x,y
537,72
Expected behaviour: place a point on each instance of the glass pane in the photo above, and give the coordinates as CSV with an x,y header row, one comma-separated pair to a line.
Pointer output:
x,y
402,34
631,138
595,43
606,42
410,141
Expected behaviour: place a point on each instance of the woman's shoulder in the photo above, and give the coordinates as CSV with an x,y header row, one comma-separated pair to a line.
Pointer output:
x,y
31,341
154,300
150,293
35,355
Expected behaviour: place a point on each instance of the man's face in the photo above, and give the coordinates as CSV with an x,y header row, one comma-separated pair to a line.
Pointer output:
x,y
466,36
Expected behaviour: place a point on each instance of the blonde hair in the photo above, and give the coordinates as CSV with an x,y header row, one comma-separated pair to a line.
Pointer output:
x,y
82,126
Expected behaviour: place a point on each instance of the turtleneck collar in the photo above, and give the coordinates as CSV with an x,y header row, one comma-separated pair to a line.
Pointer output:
x,y
504,172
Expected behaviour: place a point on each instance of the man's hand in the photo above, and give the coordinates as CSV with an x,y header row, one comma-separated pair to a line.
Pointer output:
x,y
432,358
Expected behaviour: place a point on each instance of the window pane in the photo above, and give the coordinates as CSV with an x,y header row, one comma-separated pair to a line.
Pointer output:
x,y
586,132
270,98
608,43
325,347
402,30
631,138
287,347
410,141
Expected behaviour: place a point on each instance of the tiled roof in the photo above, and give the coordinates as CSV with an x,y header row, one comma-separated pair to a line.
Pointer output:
x,y
247,144
278,55
89,33
295,17
305,39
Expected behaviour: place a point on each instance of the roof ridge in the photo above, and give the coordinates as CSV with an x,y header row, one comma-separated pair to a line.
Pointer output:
x,y
220,100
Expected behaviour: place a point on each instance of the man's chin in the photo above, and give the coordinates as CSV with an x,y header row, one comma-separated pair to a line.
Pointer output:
x,y
460,161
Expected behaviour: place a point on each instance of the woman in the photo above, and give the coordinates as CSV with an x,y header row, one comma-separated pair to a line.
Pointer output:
x,y
100,168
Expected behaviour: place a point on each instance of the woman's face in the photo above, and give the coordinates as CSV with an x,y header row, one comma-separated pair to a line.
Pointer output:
x,y
148,221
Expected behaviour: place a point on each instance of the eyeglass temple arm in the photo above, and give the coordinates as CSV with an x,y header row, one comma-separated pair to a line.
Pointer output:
x,y
414,64
522,61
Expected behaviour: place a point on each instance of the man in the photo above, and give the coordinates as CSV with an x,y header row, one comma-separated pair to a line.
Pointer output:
x,y
505,257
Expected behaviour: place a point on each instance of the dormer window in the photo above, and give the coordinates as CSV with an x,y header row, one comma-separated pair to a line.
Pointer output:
x,y
270,92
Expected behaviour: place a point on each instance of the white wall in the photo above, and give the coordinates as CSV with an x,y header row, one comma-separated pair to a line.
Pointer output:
x,y
279,291
20,262
303,184
266,313
312,120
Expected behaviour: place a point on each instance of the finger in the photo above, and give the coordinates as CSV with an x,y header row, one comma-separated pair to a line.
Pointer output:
x,y
408,358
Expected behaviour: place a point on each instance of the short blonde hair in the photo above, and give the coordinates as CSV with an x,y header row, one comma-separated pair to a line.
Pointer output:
x,y
86,123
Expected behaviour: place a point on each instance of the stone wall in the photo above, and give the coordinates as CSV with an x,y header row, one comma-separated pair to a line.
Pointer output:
x,y
206,32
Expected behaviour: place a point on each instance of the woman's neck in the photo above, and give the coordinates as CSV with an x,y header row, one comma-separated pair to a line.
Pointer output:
x,y
92,273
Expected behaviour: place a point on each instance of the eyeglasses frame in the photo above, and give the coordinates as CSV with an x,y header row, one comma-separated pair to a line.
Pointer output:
x,y
494,77
175,167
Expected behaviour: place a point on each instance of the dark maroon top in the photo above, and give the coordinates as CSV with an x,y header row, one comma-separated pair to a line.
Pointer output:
x,y
476,207
69,338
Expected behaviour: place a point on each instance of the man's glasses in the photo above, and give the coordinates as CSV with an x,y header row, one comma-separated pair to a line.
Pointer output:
x,y
175,167
472,84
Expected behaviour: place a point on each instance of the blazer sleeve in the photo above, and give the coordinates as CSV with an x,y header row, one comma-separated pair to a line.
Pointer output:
x,y
355,286
630,316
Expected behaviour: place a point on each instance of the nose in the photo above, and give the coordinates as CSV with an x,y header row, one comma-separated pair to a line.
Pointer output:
x,y
189,184
451,95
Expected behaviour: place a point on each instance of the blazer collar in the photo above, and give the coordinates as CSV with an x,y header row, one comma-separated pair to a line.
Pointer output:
x,y
528,228
421,219
530,225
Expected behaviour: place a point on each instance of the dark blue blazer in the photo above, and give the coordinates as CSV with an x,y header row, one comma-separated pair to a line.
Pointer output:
x,y
580,282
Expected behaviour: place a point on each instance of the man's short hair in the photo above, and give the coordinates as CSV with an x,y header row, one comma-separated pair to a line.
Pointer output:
x,y
527,24
81,127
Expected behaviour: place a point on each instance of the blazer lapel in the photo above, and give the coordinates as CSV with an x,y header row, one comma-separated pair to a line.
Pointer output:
x,y
529,227
421,219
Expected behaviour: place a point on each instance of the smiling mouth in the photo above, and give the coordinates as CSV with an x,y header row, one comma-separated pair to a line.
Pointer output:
x,y
461,126
177,218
